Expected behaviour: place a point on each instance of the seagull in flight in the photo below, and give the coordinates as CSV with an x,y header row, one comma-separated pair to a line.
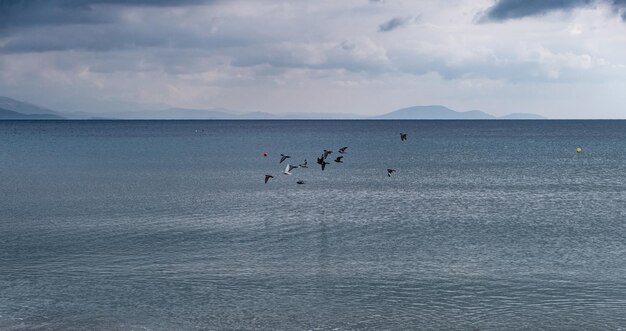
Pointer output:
x,y
390,171
326,154
288,169
402,136
338,159
303,165
342,150
283,157
267,177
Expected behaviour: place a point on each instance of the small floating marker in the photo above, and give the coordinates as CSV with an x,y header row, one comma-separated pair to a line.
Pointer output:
x,y
578,150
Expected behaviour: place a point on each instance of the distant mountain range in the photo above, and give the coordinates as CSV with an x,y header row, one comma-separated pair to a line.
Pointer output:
x,y
209,114
13,109
444,113
13,115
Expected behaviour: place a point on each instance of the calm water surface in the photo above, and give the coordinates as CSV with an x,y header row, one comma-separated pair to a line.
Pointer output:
x,y
140,225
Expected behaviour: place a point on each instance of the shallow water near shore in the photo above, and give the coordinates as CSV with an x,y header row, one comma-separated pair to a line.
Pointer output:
x,y
161,225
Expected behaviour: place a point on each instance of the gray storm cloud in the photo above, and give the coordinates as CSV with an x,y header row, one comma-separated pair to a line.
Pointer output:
x,y
512,9
395,23
94,25
15,14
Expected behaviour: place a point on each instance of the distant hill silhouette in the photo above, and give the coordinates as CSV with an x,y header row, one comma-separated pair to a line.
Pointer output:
x,y
14,109
214,114
435,112
26,108
175,114
6,114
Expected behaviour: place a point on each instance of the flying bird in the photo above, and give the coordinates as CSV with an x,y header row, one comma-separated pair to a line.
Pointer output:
x,y
390,171
338,159
303,165
267,177
283,157
326,154
288,169
402,136
300,182
323,163
342,150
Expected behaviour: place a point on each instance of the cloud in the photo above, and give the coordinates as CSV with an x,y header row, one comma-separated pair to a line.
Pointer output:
x,y
111,37
512,9
395,23
284,54
359,55
56,26
15,14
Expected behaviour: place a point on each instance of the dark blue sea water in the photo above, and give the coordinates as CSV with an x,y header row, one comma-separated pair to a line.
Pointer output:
x,y
168,225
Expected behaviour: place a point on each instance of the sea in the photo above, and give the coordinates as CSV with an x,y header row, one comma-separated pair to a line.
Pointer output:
x,y
169,225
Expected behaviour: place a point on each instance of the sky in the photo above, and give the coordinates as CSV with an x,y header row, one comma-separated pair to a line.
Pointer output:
x,y
558,58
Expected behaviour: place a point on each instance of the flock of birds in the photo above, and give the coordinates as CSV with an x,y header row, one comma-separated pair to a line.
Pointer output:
x,y
322,161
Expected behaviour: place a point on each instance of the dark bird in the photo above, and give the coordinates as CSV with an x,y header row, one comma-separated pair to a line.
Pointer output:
x,y
338,159
323,164
303,165
402,136
300,182
390,171
283,157
326,154
342,150
267,177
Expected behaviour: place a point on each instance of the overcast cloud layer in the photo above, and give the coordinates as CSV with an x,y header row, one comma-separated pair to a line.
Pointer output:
x,y
562,59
